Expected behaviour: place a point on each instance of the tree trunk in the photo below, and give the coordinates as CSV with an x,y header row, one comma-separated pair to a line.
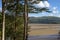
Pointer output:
x,y
25,21
3,20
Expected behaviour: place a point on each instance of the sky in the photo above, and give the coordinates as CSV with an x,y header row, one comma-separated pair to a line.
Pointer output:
x,y
0,5
54,6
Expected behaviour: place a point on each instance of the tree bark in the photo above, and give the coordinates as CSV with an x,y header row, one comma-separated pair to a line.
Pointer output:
x,y
3,20
25,21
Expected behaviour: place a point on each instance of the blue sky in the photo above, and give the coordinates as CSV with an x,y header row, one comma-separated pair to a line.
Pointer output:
x,y
54,4
0,3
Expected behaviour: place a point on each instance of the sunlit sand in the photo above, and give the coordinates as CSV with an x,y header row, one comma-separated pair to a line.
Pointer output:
x,y
43,29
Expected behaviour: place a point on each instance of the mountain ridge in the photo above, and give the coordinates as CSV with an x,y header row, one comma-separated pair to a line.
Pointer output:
x,y
45,20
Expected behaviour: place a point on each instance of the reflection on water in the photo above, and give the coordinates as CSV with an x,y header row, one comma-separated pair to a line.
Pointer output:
x,y
44,37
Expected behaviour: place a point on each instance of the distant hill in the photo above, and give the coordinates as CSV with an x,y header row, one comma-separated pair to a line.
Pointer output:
x,y
45,20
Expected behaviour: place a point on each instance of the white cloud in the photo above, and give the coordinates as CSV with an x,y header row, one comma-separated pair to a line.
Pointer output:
x,y
58,16
0,9
46,4
39,5
6,11
33,0
42,4
55,10
51,14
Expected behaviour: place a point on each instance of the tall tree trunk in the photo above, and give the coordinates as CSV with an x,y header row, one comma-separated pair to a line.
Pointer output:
x,y
17,2
3,20
25,21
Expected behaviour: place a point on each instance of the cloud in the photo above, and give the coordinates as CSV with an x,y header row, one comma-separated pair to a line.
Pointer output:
x,y
6,11
0,9
58,16
33,0
46,4
51,14
42,4
55,10
39,5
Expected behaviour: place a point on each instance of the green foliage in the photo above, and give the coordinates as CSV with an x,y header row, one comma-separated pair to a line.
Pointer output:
x,y
10,27
0,23
10,24
12,21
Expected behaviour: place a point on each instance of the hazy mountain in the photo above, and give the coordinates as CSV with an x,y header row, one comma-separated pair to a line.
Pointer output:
x,y
45,20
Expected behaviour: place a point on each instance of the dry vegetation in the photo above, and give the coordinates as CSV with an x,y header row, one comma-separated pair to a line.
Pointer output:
x,y
44,29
